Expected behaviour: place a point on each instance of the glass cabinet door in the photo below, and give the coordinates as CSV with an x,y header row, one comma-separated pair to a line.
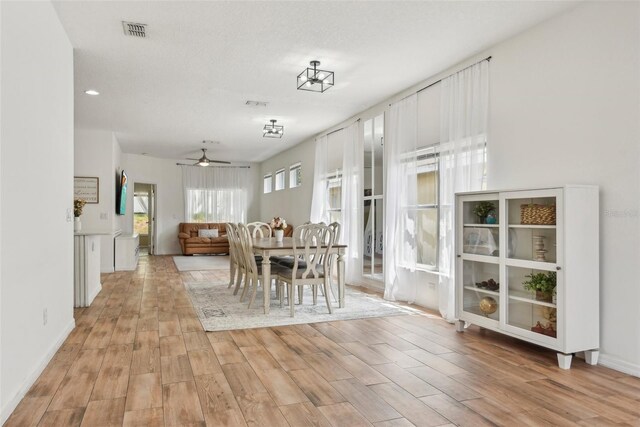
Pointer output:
x,y
481,289
532,273
528,309
532,229
481,222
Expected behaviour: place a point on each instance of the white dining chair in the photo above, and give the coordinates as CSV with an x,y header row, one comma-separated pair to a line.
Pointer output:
x,y
253,276
310,264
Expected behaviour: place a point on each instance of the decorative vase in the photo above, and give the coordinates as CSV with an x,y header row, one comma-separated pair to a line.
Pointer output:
x,y
279,235
77,225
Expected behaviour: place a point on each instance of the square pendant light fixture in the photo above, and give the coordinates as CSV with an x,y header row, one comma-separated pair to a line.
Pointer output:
x,y
272,130
315,80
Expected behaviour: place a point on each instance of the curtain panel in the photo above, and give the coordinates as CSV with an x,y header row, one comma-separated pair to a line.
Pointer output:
x,y
463,139
350,160
215,194
351,201
320,198
401,193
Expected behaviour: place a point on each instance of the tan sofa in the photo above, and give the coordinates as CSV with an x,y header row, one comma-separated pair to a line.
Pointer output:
x,y
192,244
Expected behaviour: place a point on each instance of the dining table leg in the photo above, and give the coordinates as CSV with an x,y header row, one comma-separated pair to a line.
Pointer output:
x,y
341,278
266,281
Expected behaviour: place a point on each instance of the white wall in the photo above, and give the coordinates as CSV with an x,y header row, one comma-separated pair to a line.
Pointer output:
x,y
36,190
169,201
293,204
564,108
169,197
93,154
97,153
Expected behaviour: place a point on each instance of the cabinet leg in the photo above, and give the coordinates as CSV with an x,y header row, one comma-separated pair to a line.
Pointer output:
x,y
460,324
564,360
591,356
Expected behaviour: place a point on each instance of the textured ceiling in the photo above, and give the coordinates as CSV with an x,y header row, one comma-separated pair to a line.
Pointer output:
x,y
189,80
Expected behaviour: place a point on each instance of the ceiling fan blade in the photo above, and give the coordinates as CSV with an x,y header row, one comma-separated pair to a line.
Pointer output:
x,y
219,161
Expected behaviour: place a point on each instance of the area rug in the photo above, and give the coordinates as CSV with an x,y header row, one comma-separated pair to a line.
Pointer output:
x,y
220,310
201,262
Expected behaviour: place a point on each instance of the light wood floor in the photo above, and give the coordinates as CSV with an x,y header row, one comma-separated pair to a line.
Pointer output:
x,y
139,357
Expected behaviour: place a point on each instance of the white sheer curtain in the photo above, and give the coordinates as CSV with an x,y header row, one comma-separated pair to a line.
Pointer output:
x,y
400,193
215,194
351,202
463,137
319,201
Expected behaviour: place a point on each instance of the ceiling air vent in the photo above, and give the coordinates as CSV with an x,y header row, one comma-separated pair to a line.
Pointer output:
x,y
256,103
134,30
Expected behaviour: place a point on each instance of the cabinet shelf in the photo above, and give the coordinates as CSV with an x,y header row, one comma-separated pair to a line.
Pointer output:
x,y
482,291
547,227
482,225
525,296
536,265
489,259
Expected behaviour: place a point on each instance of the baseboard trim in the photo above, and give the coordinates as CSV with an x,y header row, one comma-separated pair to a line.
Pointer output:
x,y
619,365
11,405
107,270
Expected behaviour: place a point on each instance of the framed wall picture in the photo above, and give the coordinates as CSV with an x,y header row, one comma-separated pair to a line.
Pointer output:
x,y
87,188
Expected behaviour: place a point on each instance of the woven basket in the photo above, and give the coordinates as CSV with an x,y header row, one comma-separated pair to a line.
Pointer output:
x,y
538,214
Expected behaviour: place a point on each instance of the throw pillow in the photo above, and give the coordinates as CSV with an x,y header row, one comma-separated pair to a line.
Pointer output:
x,y
208,233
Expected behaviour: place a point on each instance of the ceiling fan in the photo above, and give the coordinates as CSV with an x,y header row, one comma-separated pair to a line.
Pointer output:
x,y
204,161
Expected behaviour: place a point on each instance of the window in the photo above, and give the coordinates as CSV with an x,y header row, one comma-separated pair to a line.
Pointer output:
x,y
334,191
267,183
226,205
426,209
295,175
280,179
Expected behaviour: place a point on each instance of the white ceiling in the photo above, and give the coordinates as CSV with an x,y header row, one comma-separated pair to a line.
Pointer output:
x,y
189,80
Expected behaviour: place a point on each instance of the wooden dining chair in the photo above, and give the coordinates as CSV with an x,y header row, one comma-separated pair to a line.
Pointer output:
x,y
309,264
240,263
233,254
260,230
253,276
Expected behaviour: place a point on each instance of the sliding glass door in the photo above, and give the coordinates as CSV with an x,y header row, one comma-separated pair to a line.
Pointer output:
x,y
373,197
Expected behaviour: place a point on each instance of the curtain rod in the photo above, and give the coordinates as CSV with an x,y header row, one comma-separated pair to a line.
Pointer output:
x,y
488,58
342,128
237,167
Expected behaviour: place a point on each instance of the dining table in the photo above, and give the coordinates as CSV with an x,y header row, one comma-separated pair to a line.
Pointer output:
x,y
269,246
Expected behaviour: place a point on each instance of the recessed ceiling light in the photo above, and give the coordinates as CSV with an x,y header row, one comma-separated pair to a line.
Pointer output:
x,y
92,92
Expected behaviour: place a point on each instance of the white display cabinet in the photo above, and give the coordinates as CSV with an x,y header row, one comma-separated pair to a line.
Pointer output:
x,y
546,236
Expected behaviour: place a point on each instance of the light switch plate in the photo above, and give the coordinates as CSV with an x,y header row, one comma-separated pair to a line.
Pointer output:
x,y
69,215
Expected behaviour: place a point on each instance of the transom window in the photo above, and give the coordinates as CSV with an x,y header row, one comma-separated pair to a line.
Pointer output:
x,y
280,179
295,175
267,183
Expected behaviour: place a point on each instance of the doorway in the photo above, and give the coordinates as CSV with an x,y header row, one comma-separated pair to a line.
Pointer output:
x,y
144,208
